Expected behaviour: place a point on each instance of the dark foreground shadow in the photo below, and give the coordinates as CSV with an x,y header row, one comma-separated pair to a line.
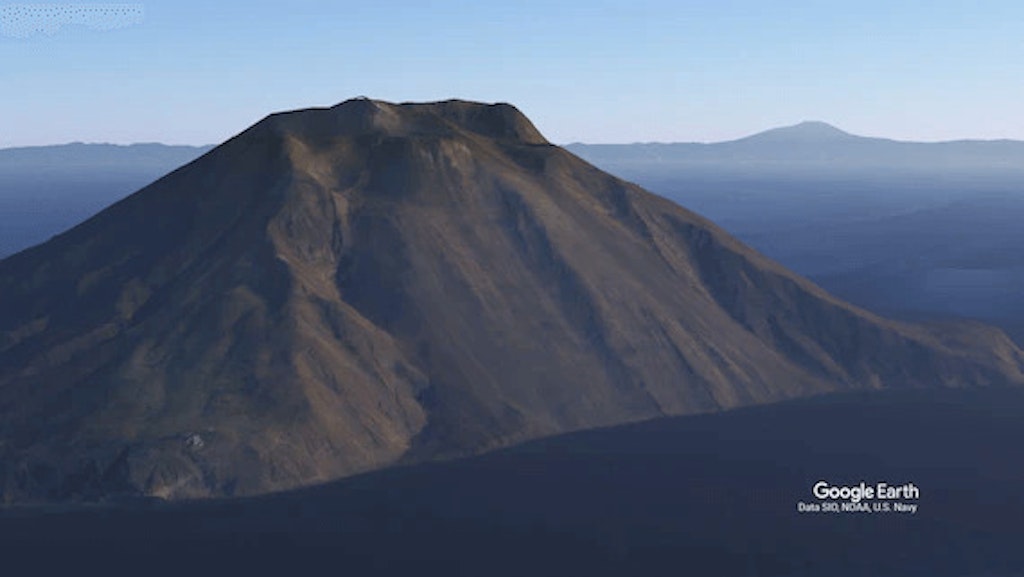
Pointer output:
x,y
711,495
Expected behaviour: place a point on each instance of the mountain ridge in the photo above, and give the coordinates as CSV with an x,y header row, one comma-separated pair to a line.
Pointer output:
x,y
801,128
811,145
95,155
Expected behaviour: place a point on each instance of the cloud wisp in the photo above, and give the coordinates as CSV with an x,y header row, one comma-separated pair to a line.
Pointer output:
x,y
29,20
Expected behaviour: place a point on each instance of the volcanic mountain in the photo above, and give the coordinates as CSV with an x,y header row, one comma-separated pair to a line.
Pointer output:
x,y
340,290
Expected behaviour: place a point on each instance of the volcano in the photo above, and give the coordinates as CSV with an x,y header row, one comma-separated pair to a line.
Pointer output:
x,y
345,289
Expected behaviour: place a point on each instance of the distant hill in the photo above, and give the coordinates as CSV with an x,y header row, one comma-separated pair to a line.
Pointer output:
x,y
341,290
45,190
77,155
808,146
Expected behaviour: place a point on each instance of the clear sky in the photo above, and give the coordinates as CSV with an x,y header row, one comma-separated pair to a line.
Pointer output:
x,y
194,72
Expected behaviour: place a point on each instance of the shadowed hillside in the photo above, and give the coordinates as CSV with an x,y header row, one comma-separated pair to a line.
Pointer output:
x,y
713,495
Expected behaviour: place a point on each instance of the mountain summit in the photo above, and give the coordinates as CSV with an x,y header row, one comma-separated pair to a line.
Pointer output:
x,y
340,290
362,116
804,132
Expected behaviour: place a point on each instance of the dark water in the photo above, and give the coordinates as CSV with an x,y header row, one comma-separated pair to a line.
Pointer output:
x,y
711,495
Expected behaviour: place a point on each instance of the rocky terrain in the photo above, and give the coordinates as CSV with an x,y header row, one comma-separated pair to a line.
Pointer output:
x,y
340,290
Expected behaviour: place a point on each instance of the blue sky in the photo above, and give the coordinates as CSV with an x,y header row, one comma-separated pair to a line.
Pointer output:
x,y
592,71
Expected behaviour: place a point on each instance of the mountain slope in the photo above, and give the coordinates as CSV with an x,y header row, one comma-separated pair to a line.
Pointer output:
x,y
45,190
338,290
911,230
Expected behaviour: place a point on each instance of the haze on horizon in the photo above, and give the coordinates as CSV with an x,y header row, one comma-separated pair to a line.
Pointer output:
x,y
196,73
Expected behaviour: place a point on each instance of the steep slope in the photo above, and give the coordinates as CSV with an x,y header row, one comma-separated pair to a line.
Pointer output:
x,y
338,290
45,190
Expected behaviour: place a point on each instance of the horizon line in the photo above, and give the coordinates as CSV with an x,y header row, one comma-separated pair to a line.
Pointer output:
x,y
566,143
